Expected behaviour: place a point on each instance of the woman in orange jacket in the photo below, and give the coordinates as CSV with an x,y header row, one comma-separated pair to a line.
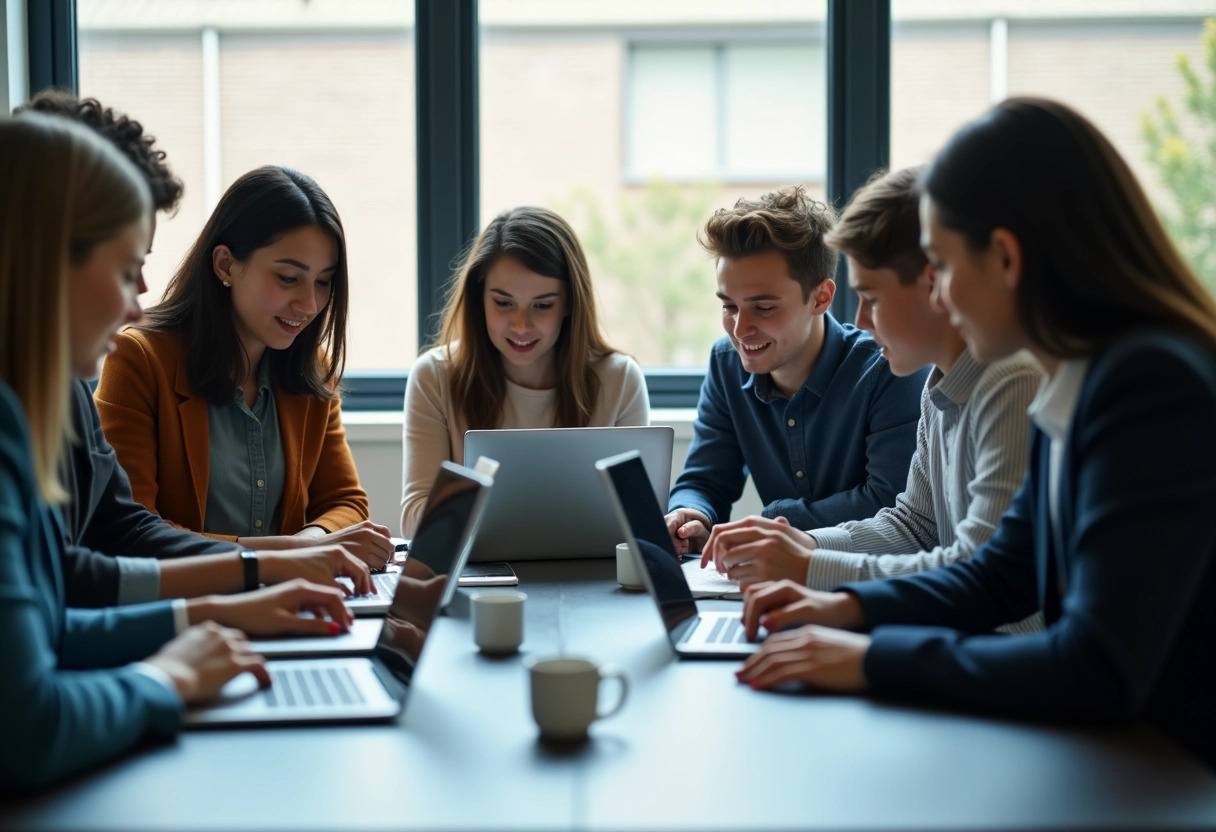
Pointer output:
x,y
223,405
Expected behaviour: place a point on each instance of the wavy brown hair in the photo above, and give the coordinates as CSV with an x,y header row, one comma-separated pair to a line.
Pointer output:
x,y
124,132
786,220
258,209
1097,263
543,243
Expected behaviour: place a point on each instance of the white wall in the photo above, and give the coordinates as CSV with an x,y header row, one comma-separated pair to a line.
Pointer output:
x,y
375,441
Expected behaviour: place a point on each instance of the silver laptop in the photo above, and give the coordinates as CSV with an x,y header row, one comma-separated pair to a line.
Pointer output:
x,y
548,501
693,634
375,688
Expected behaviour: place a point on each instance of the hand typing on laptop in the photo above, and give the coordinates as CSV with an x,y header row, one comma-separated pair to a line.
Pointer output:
x,y
276,610
757,549
318,565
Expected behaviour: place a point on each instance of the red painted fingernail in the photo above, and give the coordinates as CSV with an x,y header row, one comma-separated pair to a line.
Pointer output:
x,y
754,684
334,629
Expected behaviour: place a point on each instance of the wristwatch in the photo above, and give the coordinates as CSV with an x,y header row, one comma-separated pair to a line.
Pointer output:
x,y
249,560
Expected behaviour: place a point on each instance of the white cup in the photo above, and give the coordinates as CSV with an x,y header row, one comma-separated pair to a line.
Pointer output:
x,y
498,620
565,694
627,574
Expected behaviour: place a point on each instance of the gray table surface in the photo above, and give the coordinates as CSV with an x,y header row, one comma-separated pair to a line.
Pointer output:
x,y
692,749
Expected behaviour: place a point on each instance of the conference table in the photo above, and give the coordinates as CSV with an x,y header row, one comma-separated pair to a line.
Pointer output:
x,y
691,749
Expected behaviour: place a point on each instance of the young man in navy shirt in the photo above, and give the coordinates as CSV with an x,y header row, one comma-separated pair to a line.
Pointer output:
x,y
805,405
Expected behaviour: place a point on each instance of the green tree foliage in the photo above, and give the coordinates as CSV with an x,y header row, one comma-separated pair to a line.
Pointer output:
x,y
1185,158
656,281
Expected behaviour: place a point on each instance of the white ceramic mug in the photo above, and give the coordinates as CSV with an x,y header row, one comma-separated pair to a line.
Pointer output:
x,y
627,574
565,696
498,620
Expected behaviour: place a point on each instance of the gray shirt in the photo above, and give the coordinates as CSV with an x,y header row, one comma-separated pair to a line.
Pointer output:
x,y
972,449
247,469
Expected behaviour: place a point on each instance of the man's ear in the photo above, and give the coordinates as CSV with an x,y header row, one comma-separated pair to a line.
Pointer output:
x,y
222,262
1006,249
821,296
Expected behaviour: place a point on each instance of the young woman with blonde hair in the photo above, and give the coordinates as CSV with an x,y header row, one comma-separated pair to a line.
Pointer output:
x,y
520,346
82,686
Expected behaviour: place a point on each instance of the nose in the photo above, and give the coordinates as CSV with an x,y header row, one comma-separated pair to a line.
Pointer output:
x,y
521,321
862,319
743,324
305,300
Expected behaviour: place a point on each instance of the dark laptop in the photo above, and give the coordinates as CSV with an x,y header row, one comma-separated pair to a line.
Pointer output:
x,y
369,689
693,634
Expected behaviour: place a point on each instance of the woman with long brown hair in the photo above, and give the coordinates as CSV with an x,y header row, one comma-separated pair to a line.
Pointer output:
x,y
520,347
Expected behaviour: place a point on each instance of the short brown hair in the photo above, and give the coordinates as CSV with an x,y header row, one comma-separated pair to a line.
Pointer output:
x,y
880,227
786,220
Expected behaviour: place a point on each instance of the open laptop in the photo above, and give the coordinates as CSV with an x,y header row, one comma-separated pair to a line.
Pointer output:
x,y
386,582
693,634
368,689
548,502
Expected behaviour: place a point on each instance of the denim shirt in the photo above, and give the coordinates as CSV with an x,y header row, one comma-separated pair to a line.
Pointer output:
x,y
838,450
248,471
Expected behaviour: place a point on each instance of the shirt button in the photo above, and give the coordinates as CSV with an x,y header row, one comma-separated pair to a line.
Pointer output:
x,y
261,483
790,422
258,523
798,474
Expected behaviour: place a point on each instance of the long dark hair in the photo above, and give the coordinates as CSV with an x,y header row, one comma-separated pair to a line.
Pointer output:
x,y
259,208
1097,263
545,244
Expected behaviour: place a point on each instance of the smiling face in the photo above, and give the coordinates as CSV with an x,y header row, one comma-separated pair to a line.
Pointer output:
x,y
978,288
280,289
913,330
105,288
524,316
772,327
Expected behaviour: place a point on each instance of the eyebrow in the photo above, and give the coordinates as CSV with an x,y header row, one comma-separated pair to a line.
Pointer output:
x,y
287,261
545,296
749,298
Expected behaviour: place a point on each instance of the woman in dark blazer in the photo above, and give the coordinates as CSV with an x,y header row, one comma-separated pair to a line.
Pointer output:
x,y
1043,240
82,686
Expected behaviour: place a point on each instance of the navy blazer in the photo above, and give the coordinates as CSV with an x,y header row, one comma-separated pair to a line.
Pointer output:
x,y
62,713
103,520
1129,598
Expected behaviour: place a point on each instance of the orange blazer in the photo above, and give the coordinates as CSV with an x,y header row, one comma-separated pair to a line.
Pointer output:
x,y
159,428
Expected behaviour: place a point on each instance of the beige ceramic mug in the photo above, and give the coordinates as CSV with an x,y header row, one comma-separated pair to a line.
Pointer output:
x,y
565,696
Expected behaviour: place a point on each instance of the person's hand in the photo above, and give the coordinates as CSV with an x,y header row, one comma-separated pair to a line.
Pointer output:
x,y
781,604
204,658
369,542
316,564
689,529
275,610
758,549
820,656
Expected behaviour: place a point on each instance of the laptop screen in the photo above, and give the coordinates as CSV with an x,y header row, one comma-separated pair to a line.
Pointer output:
x,y
428,580
667,584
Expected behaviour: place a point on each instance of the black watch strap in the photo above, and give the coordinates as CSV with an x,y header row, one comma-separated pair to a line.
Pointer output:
x,y
249,560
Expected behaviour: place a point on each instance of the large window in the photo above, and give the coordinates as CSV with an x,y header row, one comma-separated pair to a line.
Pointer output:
x,y
327,89
1112,62
636,124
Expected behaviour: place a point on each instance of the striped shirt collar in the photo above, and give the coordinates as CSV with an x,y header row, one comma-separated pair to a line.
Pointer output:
x,y
953,388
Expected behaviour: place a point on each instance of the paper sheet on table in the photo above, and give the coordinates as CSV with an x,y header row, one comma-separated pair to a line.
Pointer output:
x,y
708,582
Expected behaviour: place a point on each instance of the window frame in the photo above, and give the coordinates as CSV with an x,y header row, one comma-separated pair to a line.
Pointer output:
x,y
858,45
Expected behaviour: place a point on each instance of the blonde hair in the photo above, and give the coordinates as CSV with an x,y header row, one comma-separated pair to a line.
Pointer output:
x,y
545,244
65,191
880,227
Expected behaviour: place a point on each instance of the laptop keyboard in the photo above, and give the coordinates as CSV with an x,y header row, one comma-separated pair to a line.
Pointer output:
x,y
727,631
300,687
386,585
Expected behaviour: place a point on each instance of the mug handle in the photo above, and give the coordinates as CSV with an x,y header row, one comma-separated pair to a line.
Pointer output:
x,y
613,673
